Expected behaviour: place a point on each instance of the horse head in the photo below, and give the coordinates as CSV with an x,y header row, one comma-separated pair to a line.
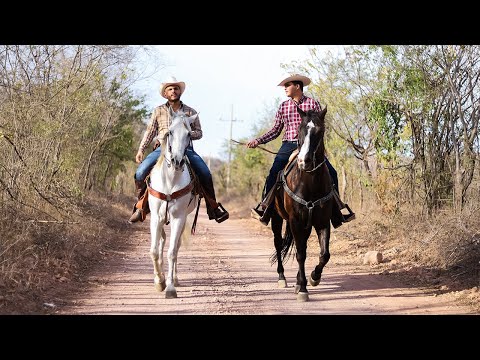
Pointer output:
x,y
178,139
310,139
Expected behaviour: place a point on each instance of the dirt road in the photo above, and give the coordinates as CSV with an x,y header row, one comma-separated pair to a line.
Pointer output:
x,y
225,270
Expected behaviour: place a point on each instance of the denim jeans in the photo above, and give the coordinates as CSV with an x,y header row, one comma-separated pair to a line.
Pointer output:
x,y
198,165
147,164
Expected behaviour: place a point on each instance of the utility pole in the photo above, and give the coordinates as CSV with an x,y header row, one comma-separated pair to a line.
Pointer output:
x,y
230,148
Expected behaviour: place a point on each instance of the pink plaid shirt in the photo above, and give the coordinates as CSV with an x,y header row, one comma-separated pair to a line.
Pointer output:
x,y
288,117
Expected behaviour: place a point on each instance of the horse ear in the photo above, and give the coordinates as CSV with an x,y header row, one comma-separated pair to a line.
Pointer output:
x,y
192,118
324,111
301,112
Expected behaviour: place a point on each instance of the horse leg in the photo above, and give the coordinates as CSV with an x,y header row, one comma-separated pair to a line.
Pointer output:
x,y
176,229
301,236
157,236
175,273
324,241
301,286
277,223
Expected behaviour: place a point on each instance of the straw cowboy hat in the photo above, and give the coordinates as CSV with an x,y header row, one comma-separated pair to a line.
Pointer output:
x,y
296,77
171,81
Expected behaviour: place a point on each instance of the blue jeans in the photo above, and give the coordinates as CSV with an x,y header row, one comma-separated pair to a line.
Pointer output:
x,y
198,165
281,160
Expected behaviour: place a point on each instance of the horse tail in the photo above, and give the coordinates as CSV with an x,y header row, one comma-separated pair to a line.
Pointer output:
x,y
287,247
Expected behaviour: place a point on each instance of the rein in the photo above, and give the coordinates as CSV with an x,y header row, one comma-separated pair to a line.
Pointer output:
x,y
260,147
314,157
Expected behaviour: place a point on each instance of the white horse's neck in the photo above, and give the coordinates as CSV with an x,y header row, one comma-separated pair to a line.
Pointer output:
x,y
167,180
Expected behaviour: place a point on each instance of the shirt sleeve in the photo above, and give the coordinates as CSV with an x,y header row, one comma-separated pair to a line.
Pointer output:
x,y
275,131
150,133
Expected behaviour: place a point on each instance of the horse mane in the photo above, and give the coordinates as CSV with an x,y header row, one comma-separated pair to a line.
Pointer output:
x,y
178,118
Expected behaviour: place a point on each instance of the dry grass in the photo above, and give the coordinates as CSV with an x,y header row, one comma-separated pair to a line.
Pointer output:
x,y
442,253
40,261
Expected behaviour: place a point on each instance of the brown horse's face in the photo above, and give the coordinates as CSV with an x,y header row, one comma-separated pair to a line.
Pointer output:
x,y
310,139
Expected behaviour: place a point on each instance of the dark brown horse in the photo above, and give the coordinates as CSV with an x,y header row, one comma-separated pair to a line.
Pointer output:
x,y
304,198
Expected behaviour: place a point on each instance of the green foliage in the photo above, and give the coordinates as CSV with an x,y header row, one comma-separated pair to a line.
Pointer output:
x,y
387,118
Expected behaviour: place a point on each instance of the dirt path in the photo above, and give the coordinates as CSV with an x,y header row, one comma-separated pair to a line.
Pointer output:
x,y
225,270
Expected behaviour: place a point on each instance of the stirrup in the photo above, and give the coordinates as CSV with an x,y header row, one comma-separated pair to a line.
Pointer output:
x,y
267,215
350,216
138,215
222,217
257,213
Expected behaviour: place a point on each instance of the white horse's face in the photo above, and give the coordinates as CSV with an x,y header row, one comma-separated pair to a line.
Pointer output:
x,y
179,139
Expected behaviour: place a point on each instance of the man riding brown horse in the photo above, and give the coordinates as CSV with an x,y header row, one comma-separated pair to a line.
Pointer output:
x,y
288,118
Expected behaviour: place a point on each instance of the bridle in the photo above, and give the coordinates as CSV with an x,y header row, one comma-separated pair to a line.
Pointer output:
x,y
314,157
168,161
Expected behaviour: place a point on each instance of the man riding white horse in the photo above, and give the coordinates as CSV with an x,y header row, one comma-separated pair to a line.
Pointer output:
x,y
158,126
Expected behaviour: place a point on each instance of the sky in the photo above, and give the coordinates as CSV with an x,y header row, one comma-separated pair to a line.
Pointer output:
x,y
222,80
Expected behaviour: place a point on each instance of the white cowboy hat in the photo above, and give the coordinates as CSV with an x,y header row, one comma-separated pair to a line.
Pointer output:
x,y
296,77
171,81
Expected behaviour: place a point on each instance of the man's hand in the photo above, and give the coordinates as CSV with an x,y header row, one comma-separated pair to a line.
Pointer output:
x,y
252,143
139,157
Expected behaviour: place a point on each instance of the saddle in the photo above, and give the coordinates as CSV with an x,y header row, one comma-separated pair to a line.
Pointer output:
x,y
196,189
268,198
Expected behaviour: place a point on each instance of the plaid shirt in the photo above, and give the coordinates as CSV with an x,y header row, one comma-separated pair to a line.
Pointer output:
x,y
288,117
160,122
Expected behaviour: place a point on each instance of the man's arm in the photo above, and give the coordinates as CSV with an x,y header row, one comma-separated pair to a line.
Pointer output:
x,y
270,135
150,133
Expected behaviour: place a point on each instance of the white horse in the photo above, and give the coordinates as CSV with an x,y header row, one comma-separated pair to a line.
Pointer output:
x,y
170,200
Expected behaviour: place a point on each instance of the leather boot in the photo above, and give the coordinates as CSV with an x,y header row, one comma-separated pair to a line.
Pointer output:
x,y
338,218
138,213
215,210
267,215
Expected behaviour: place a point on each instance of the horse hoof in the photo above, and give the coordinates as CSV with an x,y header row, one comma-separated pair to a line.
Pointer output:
x,y
297,289
171,294
314,282
160,286
282,284
302,296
